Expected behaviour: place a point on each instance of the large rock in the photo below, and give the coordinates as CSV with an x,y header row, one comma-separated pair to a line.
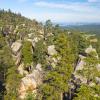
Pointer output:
x,y
27,83
80,63
21,70
30,35
30,81
98,67
34,41
38,67
17,58
90,49
51,50
98,80
16,46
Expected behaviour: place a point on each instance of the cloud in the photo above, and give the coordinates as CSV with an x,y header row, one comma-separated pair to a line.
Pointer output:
x,y
68,12
80,7
65,17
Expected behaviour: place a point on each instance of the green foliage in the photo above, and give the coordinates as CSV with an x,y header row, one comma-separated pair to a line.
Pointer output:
x,y
56,81
39,52
47,28
30,96
49,92
86,93
82,44
97,46
12,84
90,71
27,53
2,41
6,62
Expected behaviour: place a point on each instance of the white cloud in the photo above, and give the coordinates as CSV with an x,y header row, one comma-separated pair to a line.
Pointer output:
x,y
64,17
81,7
73,12
60,12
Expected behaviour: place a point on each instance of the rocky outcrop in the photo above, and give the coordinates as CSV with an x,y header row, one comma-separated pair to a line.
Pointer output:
x,y
21,70
90,49
27,83
17,58
16,52
81,63
51,50
31,81
80,66
52,58
34,40
16,46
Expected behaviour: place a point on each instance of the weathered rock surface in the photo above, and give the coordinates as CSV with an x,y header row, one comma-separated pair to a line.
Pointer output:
x,y
21,70
98,80
16,46
80,66
91,49
16,53
80,63
31,81
17,58
27,83
51,50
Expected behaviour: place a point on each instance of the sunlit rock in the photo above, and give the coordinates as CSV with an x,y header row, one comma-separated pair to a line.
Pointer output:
x,y
90,49
51,50
21,70
16,46
27,83
30,81
80,63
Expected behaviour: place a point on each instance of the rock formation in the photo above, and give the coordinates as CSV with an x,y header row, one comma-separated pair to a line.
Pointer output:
x,y
51,50
31,81
16,53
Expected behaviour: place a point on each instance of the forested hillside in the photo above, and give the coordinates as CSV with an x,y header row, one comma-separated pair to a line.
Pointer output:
x,y
89,28
46,62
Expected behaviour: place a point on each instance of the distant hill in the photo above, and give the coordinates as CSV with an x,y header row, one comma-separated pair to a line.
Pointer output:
x,y
89,28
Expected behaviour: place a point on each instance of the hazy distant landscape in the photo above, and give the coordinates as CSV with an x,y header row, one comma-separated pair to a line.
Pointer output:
x,y
89,28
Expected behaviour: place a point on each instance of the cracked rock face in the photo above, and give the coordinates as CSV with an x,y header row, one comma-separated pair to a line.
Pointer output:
x,y
30,81
81,63
91,49
27,83
16,46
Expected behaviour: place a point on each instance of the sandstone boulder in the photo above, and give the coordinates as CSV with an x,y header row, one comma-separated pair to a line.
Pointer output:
x,y
17,58
51,50
21,70
27,83
30,81
80,63
16,46
90,49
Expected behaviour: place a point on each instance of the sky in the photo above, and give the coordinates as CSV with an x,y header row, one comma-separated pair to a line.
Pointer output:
x,y
58,11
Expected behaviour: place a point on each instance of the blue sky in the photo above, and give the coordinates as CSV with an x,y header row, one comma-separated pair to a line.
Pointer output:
x,y
61,11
